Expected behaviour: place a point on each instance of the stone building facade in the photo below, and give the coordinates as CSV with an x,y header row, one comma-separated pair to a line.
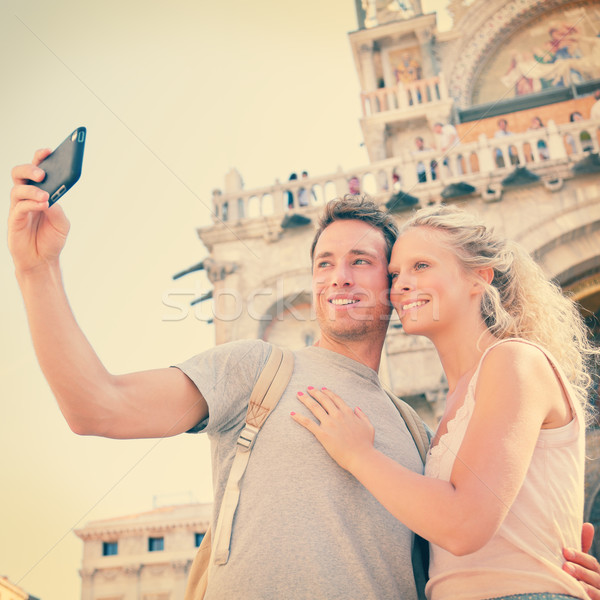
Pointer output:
x,y
146,556
535,178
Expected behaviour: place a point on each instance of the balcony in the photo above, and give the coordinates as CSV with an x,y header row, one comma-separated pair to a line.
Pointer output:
x,y
548,153
405,96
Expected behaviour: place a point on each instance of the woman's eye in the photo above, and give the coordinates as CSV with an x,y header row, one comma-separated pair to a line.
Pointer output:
x,y
420,266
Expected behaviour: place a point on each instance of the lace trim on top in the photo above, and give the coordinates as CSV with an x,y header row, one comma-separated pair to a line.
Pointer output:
x,y
449,443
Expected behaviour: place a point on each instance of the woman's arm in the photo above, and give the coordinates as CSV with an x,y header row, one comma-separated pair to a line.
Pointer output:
x,y
515,393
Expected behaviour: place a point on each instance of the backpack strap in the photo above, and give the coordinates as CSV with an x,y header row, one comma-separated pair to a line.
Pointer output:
x,y
418,430
266,393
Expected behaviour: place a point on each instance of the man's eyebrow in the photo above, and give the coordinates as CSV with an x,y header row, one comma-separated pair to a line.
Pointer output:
x,y
361,252
323,254
352,252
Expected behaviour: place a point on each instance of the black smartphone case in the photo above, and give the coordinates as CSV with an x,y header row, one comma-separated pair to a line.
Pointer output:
x,y
63,166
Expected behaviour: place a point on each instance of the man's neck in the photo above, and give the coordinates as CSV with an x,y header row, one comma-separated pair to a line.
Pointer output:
x,y
367,352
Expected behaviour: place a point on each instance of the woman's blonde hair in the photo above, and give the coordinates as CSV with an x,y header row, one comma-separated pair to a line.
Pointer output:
x,y
520,301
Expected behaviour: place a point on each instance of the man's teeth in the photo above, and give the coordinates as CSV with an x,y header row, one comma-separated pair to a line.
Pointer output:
x,y
342,301
414,304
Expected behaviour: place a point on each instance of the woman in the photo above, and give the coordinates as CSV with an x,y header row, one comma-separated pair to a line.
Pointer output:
x,y
536,123
503,486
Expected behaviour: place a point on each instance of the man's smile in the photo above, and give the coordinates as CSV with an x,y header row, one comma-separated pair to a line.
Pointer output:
x,y
342,301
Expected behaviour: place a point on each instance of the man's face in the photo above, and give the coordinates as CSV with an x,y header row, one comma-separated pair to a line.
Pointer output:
x,y
419,143
350,281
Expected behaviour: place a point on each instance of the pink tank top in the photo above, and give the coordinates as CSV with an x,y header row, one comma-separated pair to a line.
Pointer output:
x,y
525,554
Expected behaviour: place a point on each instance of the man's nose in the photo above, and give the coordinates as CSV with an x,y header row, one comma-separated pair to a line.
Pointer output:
x,y
342,275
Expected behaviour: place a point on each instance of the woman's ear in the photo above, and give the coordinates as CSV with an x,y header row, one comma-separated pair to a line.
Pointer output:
x,y
483,275
486,274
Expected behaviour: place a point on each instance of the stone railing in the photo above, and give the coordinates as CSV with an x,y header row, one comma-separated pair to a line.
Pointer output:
x,y
404,95
420,174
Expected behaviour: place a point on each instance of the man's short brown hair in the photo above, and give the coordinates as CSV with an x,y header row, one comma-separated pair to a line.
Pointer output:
x,y
357,208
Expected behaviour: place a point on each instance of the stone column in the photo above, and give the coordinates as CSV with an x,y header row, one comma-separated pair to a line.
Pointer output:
x,y
375,138
556,145
180,570
87,583
217,215
485,155
428,62
133,574
367,63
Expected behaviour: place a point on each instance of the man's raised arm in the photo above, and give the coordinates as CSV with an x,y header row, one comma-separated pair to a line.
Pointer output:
x,y
156,403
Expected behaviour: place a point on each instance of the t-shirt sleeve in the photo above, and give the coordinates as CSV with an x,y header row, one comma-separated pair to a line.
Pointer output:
x,y
225,376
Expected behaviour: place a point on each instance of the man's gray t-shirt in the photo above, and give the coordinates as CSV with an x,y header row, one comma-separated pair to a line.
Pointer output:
x,y
304,527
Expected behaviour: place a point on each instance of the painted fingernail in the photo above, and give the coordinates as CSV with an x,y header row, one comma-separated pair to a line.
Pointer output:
x,y
358,408
300,394
292,413
569,554
310,387
323,388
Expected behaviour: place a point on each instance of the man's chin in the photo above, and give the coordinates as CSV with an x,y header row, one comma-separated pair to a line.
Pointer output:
x,y
351,329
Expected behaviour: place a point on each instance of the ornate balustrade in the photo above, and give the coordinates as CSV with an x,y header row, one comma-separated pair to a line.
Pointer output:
x,y
421,174
404,95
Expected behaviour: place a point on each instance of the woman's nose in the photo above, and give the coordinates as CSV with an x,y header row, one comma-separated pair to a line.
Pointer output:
x,y
403,283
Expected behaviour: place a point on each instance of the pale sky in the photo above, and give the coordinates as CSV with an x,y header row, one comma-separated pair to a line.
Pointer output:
x,y
173,96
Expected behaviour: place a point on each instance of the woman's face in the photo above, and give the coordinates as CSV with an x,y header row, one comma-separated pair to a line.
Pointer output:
x,y
430,290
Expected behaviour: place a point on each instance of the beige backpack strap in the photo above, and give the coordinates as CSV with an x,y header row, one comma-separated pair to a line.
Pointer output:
x,y
198,575
414,423
266,393
269,387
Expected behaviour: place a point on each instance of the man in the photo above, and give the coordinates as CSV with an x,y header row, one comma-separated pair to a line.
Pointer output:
x,y
304,528
303,193
501,132
354,185
447,138
595,110
421,169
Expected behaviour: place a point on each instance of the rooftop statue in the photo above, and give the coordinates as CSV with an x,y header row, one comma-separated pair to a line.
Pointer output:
x,y
380,12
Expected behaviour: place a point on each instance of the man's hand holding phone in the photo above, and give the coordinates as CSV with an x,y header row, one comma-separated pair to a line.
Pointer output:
x,y
36,233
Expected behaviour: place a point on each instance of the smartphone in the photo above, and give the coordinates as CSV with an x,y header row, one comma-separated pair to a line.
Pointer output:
x,y
63,166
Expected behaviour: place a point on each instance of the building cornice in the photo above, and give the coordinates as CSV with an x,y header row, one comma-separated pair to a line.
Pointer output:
x,y
185,517
103,532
